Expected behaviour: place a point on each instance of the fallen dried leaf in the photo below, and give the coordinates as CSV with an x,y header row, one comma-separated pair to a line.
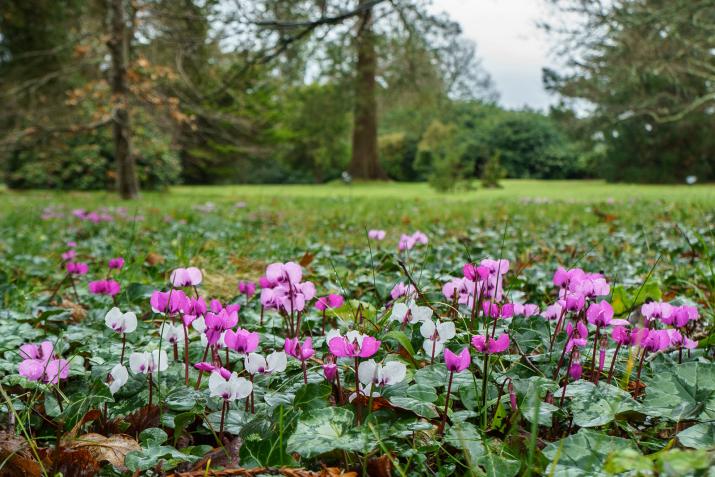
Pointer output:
x,y
112,449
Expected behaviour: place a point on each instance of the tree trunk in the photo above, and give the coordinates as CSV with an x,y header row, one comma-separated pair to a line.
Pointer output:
x,y
118,44
364,162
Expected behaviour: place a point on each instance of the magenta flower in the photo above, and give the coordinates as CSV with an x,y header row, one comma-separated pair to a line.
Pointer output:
x,y
573,302
77,268
527,309
456,363
69,255
577,336
217,323
353,344
104,287
553,312
401,289
330,301
247,288
116,263
289,272
301,352
475,272
40,364
242,341
204,366
575,371
681,316
563,278
186,277
407,242
376,234
499,345
657,340
170,302
677,339
330,370
600,314
216,307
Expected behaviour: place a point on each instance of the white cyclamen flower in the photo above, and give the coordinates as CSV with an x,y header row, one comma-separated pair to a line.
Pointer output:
x,y
365,390
121,322
147,362
382,375
174,334
230,387
119,377
274,363
411,313
436,335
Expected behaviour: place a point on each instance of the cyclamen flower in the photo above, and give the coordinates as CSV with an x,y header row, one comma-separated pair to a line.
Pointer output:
x,y
330,370
186,277
526,310
118,377
405,314
493,310
146,362
563,278
402,290
376,234
498,345
601,314
116,263
681,316
407,242
77,268
104,287
436,335
330,301
242,341
575,370
370,372
458,287
353,344
216,323
196,308
40,364
247,288
573,302
289,272
173,334
495,267
657,340
677,339
553,312
301,352
624,336
216,307
275,362
69,255
228,386
456,363
475,272
577,336
121,322
170,302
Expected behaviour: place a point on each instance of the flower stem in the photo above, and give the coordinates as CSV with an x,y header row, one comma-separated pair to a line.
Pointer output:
x,y
223,418
186,354
357,393
613,363
151,387
484,389
124,344
440,431
206,352
594,371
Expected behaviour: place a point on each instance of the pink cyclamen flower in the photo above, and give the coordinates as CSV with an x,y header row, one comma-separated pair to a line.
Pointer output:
x,y
657,340
401,289
247,288
104,287
677,339
242,341
600,314
376,234
40,364
573,302
299,351
186,277
577,335
69,255
498,345
563,278
116,263
71,244
330,301
575,371
330,370
170,302
77,268
553,312
289,272
656,310
475,272
353,344
681,316
456,363
527,309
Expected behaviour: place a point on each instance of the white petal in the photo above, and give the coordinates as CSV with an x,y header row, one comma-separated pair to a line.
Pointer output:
x,y
217,385
446,331
427,329
199,324
393,372
160,360
420,313
130,321
277,361
399,310
254,362
240,387
367,371
112,317
138,362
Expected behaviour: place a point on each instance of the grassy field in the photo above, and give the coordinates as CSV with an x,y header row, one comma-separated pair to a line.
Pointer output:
x,y
649,242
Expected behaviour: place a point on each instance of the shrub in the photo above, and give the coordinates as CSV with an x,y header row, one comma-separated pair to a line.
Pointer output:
x,y
493,172
397,155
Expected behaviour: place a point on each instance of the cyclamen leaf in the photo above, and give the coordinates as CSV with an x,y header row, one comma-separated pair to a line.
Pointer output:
x,y
582,454
324,430
596,405
687,391
699,436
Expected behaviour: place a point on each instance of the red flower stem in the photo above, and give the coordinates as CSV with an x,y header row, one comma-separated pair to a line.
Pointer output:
x,y
357,392
223,417
594,371
613,363
186,354
440,431
124,344
201,372
151,387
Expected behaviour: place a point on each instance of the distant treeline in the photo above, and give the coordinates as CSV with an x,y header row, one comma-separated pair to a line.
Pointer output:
x,y
151,93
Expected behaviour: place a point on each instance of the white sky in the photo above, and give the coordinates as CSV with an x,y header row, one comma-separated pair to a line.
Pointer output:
x,y
512,49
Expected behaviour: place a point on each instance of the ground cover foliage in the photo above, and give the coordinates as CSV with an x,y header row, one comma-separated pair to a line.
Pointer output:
x,y
554,383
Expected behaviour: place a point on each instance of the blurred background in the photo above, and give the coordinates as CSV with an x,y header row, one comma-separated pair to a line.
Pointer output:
x,y
143,94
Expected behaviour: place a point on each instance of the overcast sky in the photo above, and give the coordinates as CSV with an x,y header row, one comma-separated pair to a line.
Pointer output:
x,y
513,50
